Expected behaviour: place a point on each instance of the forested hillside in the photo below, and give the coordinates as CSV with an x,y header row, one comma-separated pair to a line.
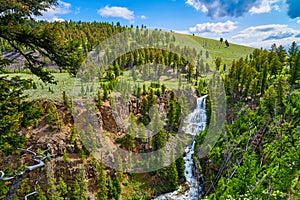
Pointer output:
x,y
45,151
258,157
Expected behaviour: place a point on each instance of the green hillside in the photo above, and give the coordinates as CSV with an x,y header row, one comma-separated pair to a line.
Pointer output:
x,y
218,49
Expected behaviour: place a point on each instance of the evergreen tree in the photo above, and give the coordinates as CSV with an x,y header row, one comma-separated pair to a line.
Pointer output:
x,y
117,70
102,190
281,52
53,193
117,185
76,149
21,32
218,63
180,161
295,68
62,187
151,98
73,134
105,92
66,101
66,157
226,43
40,194
134,73
275,66
76,191
112,194
172,175
54,120
190,72
80,187
99,99
163,88
144,106
160,140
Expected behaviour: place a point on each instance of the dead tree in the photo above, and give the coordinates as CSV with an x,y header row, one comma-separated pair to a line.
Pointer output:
x,y
39,159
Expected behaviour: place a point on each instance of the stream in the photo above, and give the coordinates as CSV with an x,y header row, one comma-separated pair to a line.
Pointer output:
x,y
196,124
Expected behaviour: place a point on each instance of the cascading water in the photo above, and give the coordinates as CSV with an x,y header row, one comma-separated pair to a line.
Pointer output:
x,y
196,124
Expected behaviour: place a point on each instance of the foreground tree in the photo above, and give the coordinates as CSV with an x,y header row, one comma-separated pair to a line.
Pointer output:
x,y
32,42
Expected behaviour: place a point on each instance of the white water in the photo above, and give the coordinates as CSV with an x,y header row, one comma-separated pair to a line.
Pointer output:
x,y
196,124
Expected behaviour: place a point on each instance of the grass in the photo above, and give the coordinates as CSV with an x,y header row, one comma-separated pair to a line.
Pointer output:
x,y
218,49
49,91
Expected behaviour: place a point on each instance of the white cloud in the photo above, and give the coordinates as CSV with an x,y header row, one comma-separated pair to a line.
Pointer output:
x,y
266,35
52,13
143,17
197,5
57,19
216,28
265,6
298,21
115,11
182,31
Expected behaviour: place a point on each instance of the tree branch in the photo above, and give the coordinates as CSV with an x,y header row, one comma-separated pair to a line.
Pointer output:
x,y
39,159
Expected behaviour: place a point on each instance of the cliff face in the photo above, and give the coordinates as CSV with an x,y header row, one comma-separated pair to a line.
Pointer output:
x,y
69,157
112,118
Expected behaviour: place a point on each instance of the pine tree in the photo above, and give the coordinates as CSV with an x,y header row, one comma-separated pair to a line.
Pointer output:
x,y
76,149
102,190
76,191
54,120
190,72
62,187
20,31
281,52
144,106
53,193
40,194
275,66
171,112
226,43
66,101
80,187
73,134
117,185
117,70
218,62
128,141
99,99
144,90
160,140
105,93
172,175
134,73
295,68
151,98
156,123
163,88
180,161
66,157
112,194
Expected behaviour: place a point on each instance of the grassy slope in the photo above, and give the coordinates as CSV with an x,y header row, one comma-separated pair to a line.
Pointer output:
x,y
216,49
64,83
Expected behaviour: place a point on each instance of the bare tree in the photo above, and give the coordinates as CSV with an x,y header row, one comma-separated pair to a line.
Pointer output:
x,y
39,159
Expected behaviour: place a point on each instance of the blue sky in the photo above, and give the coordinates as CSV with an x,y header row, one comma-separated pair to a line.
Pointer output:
x,y
257,23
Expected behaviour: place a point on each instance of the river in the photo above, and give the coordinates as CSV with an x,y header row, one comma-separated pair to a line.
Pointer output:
x,y
196,124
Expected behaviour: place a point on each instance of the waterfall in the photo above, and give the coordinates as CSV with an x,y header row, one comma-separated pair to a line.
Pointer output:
x,y
196,123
